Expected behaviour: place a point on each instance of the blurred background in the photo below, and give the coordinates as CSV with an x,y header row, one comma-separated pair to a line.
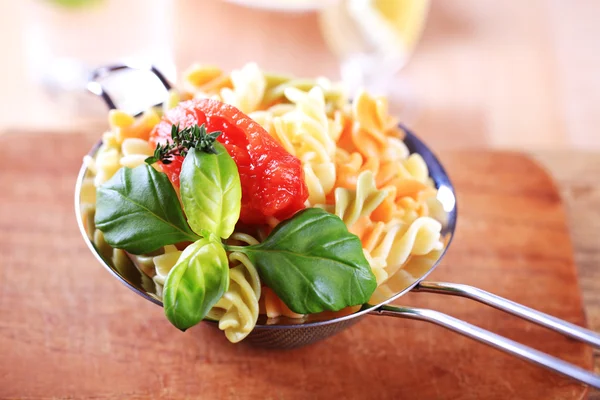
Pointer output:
x,y
463,73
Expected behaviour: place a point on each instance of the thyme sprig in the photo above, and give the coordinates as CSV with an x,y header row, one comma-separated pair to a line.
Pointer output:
x,y
191,137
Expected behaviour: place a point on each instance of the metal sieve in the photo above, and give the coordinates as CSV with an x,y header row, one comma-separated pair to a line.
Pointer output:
x,y
289,333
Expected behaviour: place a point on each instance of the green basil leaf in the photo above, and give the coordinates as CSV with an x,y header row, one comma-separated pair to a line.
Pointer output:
x,y
196,283
138,211
211,191
313,263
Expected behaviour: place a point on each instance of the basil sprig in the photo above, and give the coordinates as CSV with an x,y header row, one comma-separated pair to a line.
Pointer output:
x,y
138,211
311,260
211,194
313,263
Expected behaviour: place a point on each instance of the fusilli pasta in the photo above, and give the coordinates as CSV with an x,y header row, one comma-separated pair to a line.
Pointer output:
x,y
248,88
237,310
350,205
307,133
355,165
395,241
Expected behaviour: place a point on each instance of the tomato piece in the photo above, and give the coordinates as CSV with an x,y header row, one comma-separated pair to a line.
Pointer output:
x,y
272,179
172,169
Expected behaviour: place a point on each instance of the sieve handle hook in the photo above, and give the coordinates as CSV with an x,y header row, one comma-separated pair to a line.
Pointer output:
x,y
95,87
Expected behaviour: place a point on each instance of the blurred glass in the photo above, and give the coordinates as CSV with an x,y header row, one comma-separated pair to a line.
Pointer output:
x,y
374,40
66,39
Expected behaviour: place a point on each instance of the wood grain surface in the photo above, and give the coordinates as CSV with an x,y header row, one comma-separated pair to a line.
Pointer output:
x,y
70,330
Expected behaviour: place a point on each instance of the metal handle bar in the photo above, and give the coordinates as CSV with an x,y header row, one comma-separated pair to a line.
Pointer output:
x,y
497,341
537,317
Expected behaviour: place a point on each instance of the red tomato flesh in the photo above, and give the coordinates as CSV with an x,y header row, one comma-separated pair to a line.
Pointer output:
x,y
272,179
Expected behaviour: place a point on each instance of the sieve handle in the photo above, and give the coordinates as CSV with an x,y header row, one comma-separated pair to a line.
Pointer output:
x,y
537,317
491,339
95,86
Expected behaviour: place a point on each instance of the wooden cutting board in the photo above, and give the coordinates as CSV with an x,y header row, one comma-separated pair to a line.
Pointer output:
x,y
68,329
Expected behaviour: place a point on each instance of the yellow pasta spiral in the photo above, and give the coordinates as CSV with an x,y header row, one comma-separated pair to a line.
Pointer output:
x,y
353,205
315,136
273,306
164,263
307,133
265,117
336,97
378,266
350,205
237,311
395,241
248,88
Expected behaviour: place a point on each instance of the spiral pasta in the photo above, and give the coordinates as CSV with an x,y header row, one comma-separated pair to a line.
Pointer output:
x,y
387,246
406,208
372,143
378,267
310,135
122,263
350,165
395,241
315,134
248,88
350,205
335,95
163,263
269,303
355,165
410,272
369,131
237,311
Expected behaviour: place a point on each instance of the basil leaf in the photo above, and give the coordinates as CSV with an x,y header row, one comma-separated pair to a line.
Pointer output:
x,y
211,191
138,211
313,263
196,283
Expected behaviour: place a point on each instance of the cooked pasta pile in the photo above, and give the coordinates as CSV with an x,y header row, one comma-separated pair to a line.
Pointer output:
x,y
355,166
